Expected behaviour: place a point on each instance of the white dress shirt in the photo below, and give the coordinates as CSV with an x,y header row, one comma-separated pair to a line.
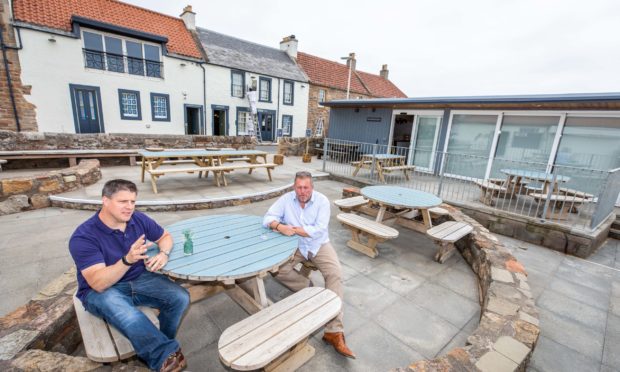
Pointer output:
x,y
314,219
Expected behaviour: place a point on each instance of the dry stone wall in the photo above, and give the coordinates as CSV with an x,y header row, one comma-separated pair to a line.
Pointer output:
x,y
296,146
32,192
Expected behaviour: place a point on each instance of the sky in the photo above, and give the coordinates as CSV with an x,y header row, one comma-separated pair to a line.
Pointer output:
x,y
439,47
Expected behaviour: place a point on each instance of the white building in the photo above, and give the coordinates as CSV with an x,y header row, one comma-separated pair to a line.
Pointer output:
x,y
235,67
109,67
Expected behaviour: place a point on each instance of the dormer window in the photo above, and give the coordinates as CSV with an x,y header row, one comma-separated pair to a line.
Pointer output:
x,y
112,53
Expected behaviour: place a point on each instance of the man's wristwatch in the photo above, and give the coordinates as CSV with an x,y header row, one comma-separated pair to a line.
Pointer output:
x,y
164,252
125,261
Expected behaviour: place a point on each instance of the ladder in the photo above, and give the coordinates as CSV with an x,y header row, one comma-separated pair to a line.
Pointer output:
x,y
318,127
254,127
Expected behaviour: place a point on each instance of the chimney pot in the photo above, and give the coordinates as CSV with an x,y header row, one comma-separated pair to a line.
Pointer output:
x,y
351,62
289,45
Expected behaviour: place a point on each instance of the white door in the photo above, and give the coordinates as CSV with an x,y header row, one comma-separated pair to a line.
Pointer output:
x,y
424,144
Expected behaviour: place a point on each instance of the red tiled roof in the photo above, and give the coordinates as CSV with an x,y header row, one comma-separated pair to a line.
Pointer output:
x,y
332,74
57,14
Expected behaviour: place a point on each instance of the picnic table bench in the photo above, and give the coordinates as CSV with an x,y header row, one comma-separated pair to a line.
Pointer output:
x,y
102,342
376,232
348,205
489,190
446,234
560,205
276,338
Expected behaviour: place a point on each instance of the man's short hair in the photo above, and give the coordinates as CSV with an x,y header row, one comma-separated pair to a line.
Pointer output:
x,y
303,174
113,186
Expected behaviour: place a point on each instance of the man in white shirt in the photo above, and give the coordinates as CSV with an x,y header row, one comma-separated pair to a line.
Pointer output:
x,y
306,213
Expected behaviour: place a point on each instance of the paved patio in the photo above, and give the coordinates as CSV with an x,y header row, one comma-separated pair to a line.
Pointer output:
x,y
399,307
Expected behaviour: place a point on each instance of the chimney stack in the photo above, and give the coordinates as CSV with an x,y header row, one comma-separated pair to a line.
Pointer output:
x,y
351,61
384,72
189,18
289,45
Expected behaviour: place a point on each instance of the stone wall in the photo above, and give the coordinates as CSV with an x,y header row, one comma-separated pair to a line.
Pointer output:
x,y
25,110
316,111
296,146
509,327
11,141
32,192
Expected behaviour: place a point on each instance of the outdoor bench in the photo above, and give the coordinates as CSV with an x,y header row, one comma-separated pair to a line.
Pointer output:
x,y
376,232
71,155
403,168
488,190
559,205
446,234
348,205
102,342
276,338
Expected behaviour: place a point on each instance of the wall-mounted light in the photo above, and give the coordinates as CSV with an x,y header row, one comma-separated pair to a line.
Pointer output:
x,y
184,93
183,64
302,86
52,39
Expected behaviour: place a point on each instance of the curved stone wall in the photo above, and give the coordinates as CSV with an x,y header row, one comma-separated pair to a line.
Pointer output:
x,y
32,192
509,326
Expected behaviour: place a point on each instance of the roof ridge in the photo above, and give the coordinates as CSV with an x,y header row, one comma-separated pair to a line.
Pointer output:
x,y
146,9
240,39
338,63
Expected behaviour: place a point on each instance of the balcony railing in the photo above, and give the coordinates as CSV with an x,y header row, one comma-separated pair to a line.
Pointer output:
x,y
123,64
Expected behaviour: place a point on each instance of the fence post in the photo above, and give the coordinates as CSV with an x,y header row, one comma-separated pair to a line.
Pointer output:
x,y
372,166
550,192
325,144
441,171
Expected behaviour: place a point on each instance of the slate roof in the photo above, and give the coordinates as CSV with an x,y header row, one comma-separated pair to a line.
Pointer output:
x,y
56,14
332,74
228,51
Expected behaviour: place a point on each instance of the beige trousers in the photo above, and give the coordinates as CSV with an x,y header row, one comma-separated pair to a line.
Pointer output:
x,y
326,260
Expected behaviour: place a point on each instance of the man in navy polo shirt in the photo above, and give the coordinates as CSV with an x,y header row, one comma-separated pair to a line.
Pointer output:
x,y
115,276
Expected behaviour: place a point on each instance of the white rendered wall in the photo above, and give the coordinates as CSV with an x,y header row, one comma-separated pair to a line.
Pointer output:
x,y
219,93
49,67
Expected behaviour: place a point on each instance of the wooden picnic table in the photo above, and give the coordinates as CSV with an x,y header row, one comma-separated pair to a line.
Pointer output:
x,y
405,199
515,176
382,163
229,249
200,161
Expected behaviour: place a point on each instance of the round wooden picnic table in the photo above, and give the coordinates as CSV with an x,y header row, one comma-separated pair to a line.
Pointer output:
x,y
228,248
402,197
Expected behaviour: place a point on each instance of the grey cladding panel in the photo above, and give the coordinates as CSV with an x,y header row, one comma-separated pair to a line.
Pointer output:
x,y
362,126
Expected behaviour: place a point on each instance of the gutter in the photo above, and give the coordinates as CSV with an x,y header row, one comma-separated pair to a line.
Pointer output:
x,y
8,78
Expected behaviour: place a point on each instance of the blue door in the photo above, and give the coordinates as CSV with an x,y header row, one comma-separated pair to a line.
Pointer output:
x,y
265,121
86,110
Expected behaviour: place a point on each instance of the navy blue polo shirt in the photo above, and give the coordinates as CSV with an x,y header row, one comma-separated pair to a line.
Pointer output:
x,y
93,242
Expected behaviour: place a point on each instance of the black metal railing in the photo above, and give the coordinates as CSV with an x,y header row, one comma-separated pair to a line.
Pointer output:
x,y
123,64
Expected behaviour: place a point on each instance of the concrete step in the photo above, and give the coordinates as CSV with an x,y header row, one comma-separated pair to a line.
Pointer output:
x,y
614,233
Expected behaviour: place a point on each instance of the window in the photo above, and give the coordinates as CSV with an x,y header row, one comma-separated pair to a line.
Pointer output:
x,y
287,125
322,95
236,83
264,94
130,104
107,52
289,95
160,107
469,145
243,121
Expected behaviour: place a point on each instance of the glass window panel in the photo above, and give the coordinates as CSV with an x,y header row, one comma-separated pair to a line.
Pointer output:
x,y
265,90
469,145
92,105
321,95
130,104
160,107
288,92
237,84
93,41
151,52
525,142
114,57
287,124
425,140
134,49
81,104
242,121
113,45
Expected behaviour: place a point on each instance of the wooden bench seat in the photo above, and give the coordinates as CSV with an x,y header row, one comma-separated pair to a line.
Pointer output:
x,y
276,337
489,190
398,167
348,205
71,154
577,193
559,205
446,234
360,226
102,342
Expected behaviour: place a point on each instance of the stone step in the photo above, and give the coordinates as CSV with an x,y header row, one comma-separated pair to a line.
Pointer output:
x,y
614,233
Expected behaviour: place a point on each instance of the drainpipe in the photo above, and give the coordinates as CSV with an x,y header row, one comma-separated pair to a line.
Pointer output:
x,y
8,79
278,111
204,98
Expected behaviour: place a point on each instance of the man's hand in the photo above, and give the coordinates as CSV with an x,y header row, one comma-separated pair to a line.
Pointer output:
x,y
156,262
137,251
286,230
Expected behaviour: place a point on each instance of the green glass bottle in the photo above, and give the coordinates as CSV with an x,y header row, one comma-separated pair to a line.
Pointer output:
x,y
188,246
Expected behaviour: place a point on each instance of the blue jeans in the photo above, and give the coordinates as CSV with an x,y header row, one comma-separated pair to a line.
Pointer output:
x,y
117,305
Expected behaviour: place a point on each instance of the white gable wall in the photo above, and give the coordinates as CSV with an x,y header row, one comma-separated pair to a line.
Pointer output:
x,y
49,67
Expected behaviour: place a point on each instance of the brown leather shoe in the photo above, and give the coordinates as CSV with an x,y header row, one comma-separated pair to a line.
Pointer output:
x,y
181,359
171,364
336,339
